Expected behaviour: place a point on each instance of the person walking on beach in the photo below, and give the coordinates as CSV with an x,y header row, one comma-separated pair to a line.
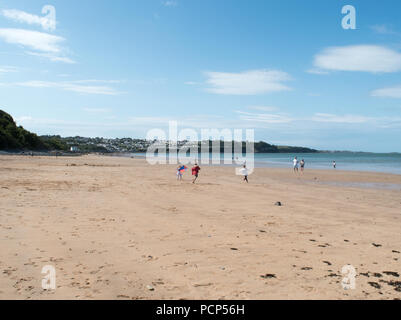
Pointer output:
x,y
195,172
244,172
334,164
302,164
295,162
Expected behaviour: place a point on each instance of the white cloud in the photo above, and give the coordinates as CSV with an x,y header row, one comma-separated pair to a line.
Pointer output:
x,y
283,118
317,71
32,39
265,117
74,86
97,81
367,58
52,57
39,44
349,119
47,22
7,69
97,110
383,29
24,119
392,92
248,82
263,108
170,3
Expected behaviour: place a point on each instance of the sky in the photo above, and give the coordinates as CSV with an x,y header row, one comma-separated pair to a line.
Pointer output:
x,y
287,69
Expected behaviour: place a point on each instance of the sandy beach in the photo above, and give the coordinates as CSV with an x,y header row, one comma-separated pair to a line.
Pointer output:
x,y
118,228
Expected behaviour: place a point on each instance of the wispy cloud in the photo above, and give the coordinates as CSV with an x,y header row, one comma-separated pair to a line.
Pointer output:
x,y
32,39
366,58
349,119
263,108
48,22
251,82
40,44
74,86
391,92
52,57
270,119
170,3
317,71
97,81
265,117
383,29
8,69
97,110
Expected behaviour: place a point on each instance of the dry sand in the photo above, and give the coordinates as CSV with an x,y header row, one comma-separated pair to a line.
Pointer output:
x,y
118,228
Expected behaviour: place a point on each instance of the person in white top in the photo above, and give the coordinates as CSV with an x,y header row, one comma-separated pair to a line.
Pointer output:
x,y
295,161
244,172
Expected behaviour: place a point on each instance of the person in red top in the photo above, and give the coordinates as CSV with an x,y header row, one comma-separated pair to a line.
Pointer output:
x,y
195,172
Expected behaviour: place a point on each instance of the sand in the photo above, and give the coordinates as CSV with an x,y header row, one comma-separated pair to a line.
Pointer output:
x,y
118,228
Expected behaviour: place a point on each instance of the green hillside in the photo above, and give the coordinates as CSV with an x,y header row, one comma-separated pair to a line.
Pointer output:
x,y
13,137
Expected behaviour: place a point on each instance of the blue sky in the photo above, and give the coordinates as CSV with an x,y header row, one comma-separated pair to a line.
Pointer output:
x,y
285,68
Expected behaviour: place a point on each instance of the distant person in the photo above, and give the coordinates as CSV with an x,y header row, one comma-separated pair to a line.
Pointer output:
x,y
295,162
180,170
334,165
195,172
302,164
244,172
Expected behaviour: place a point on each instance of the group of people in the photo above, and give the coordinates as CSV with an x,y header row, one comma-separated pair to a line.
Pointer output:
x,y
298,164
195,172
244,171
301,164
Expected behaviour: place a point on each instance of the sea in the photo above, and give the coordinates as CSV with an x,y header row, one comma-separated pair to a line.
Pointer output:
x,y
351,161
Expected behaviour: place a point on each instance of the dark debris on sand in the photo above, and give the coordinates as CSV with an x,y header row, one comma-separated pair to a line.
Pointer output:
x,y
392,273
375,285
395,284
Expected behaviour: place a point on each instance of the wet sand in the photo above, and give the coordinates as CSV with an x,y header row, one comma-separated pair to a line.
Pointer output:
x,y
118,228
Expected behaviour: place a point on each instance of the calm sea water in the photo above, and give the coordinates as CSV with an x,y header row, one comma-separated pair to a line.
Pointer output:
x,y
376,162
390,163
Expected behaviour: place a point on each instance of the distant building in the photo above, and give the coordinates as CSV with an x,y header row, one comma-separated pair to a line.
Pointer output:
x,y
74,149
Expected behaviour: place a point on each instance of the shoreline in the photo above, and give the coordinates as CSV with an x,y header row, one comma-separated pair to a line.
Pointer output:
x,y
258,164
377,174
271,165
